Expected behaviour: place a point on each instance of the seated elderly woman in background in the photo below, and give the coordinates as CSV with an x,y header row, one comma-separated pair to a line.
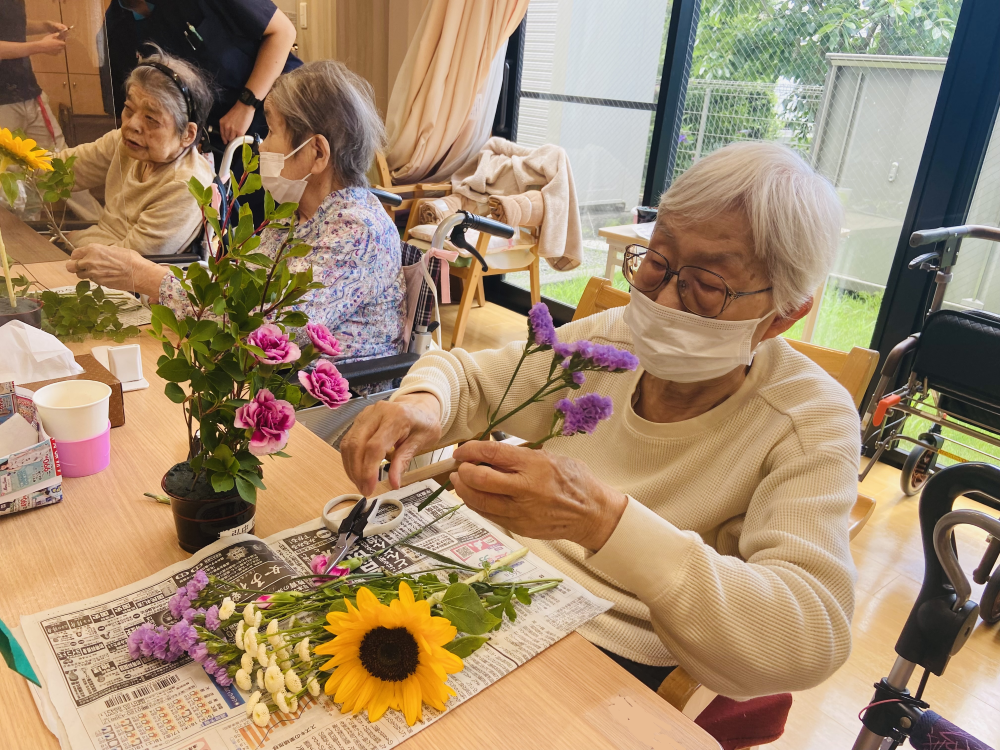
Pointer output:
x,y
712,508
324,132
145,166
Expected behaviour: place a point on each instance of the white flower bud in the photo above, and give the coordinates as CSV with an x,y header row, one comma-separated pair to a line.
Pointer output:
x,y
283,655
252,702
274,680
226,609
256,619
261,715
281,701
302,649
313,686
273,662
239,637
246,662
250,640
293,705
292,682
272,627
291,622
260,678
248,617
262,656
243,681
285,665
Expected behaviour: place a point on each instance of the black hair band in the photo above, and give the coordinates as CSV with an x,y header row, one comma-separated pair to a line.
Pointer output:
x,y
177,82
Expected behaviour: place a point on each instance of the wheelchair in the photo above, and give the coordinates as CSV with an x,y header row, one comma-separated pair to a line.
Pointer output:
x,y
951,383
941,620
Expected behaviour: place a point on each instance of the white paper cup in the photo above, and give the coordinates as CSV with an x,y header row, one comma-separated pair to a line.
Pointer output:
x,y
73,409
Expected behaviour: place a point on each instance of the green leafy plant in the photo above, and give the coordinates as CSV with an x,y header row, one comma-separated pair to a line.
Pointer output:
x,y
72,316
239,397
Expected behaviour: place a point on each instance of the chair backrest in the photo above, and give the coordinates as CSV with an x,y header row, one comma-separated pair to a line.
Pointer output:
x,y
379,174
598,296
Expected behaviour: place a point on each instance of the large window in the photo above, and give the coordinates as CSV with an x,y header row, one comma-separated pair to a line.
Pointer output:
x,y
589,83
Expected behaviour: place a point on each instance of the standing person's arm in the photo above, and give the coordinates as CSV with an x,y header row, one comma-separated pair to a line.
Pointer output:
x,y
47,45
45,27
279,36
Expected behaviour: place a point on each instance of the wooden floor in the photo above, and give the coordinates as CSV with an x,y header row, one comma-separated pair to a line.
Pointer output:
x,y
889,559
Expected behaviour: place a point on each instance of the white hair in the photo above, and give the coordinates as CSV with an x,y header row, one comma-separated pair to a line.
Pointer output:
x,y
794,213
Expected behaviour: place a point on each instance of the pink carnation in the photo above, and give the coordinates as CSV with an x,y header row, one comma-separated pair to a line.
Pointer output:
x,y
278,348
270,419
326,384
322,339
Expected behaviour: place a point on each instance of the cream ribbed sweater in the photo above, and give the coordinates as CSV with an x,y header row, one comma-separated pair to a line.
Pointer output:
x,y
732,556
154,216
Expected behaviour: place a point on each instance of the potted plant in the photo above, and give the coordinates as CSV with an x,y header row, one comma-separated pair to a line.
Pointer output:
x,y
232,366
22,163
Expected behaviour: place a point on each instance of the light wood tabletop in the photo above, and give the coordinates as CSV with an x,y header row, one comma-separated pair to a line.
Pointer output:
x,y
105,535
24,244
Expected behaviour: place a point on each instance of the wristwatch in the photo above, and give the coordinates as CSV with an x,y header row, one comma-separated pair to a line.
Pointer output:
x,y
247,97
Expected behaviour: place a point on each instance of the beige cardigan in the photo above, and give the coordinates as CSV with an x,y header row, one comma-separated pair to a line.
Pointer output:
x,y
155,216
732,557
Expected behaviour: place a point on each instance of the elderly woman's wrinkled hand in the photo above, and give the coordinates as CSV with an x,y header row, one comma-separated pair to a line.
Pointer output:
x,y
108,266
537,494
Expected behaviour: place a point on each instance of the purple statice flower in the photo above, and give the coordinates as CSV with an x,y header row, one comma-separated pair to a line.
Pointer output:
x,y
182,636
578,378
137,641
541,329
196,584
586,355
179,603
161,645
210,665
583,414
212,621
190,614
199,652
222,677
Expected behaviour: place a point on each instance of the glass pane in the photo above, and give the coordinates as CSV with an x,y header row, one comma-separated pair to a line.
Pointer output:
x,y
849,85
608,64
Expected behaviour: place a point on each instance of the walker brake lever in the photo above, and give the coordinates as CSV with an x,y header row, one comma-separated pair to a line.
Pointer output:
x,y
458,239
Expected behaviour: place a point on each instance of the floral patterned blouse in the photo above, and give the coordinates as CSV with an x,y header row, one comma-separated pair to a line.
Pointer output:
x,y
356,256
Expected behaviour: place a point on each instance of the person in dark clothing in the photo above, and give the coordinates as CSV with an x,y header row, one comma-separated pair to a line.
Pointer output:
x,y
243,46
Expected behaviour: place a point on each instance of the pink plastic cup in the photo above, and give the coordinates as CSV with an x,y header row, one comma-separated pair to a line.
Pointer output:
x,y
81,458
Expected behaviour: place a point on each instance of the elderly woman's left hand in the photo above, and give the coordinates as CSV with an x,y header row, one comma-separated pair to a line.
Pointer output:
x,y
117,268
537,494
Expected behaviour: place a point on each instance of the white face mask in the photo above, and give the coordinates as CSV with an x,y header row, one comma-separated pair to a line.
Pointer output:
x,y
683,347
282,189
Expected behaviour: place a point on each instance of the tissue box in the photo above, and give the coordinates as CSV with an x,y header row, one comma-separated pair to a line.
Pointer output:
x,y
94,370
30,477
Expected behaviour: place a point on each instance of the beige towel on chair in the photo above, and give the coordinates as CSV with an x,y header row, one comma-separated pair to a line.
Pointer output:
x,y
435,211
505,168
525,210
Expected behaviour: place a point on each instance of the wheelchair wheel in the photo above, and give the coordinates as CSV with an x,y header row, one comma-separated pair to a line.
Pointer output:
x,y
919,465
989,606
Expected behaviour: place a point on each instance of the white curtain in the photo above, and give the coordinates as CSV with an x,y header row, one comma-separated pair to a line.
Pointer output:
x,y
444,97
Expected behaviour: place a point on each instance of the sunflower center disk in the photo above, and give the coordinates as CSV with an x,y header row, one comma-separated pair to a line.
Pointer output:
x,y
391,654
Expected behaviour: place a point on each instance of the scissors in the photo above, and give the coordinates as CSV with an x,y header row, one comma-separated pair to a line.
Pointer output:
x,y
351,522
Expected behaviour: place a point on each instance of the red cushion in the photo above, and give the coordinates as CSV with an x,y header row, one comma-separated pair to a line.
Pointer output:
x,y
739,724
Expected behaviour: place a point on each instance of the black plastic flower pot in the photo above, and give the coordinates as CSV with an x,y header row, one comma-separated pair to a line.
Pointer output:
x,y
27,311
201,515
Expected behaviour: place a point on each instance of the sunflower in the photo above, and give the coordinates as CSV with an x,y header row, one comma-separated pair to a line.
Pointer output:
x,y
22,151
389,656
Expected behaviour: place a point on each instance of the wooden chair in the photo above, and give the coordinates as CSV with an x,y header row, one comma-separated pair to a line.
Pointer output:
x,y
522,256
380,177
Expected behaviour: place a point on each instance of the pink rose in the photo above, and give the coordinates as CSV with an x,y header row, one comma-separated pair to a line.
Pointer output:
x,y
322,339
278,349
318,564
326,384
270,420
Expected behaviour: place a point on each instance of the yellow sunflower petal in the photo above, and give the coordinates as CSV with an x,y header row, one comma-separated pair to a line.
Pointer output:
x,y
405,593
348,690
380,703
367,601
335,679
411,700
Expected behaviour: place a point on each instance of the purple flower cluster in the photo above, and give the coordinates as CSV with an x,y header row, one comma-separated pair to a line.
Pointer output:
x,y
583,414
180,603
586,355
541,329
170,645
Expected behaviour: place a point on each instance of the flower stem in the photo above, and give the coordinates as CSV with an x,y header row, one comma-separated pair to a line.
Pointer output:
x,y
483,574
6,274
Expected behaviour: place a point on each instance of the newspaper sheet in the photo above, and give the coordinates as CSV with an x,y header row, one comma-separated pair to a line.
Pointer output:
x,y
105,701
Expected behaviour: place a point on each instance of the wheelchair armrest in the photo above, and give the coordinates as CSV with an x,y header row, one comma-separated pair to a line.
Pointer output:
x,y
376,370
176,258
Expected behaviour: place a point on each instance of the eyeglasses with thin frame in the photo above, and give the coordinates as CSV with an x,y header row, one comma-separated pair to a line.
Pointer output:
x,y
702,292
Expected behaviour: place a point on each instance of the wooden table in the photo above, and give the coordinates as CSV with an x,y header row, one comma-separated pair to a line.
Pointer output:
x,y
24,244
105,535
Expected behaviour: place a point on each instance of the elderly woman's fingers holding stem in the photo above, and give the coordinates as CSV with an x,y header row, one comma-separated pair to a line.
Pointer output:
x,y
117,268
407,426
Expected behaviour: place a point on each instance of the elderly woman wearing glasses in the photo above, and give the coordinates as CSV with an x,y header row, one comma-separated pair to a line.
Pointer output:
x,y
712,508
